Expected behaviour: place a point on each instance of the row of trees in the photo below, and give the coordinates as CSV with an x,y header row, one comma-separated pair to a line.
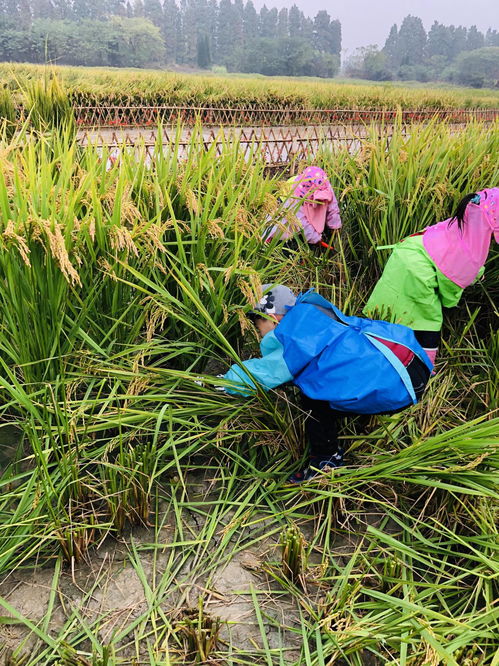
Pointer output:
x,y
446,52
198,33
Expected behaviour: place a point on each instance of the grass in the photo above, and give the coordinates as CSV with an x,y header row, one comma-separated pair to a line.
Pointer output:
x,y
130,284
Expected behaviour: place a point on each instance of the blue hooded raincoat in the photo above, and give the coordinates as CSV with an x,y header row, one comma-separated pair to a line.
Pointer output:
x,y
332,357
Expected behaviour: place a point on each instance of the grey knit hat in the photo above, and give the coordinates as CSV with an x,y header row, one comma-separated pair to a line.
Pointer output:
x,y
277,300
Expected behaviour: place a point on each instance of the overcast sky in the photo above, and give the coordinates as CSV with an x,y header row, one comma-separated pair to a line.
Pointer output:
x,y
366,22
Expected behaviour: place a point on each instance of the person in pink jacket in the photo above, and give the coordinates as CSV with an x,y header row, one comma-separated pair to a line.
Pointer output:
x,y
315,207
429,270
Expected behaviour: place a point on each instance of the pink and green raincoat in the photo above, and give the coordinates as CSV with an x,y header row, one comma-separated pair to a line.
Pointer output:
x,y
428,271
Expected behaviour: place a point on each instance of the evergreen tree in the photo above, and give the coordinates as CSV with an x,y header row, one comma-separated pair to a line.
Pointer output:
x,y
190,24
225,43
475,39
153,10
250,22
203,55
492,38
42,9
458,38
390,48
170,29
114,7
24,14
268,23
295,19
321,32
282,24
411,41
211,28
307,28
439,42
237,24
335,37
89,9
62,9
138,8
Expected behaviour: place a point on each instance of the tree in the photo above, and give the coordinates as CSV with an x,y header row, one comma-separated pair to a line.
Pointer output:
x,y
295,19
204,57
42,9
458,37
190,21
321,31
250,22
391,47
411,41
492,38
439,42
62,9
282,24
153,10
369,62
225,42
475,39
268,23
170,29
137,43
478,68
335,37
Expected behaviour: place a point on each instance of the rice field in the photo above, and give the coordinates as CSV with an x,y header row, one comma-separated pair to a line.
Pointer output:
x,y
145,519
128,87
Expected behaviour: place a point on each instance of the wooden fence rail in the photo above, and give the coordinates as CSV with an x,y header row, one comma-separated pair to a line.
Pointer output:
x,y
278,146
150,116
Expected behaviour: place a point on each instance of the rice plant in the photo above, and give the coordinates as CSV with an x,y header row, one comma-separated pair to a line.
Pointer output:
x,y
119,290
293,555
121,87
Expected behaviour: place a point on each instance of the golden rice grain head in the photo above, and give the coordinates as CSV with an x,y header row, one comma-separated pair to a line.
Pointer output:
x,y
58,250
244,322
91,228
121,239
270,204
19,241
154,234
155,320
243,224
129,211
246,289
229,272
215,228
106,267
203,270
191,202
256,286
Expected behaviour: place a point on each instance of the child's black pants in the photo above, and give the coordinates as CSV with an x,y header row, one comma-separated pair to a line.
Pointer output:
x,y
321,426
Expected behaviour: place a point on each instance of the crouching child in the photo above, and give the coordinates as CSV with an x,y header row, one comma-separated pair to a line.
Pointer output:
x,y
343,365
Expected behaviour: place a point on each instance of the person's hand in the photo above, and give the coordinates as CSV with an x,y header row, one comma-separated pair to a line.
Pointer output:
x,y
221,389
200,382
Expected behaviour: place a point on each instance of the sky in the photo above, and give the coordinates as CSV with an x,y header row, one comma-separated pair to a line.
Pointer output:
x,y
366,22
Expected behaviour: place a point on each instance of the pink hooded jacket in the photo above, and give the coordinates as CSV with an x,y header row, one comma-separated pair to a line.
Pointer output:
x,y
319,208
460,254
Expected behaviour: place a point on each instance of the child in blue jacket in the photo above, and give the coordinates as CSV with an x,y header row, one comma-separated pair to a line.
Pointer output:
x,y
342,365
